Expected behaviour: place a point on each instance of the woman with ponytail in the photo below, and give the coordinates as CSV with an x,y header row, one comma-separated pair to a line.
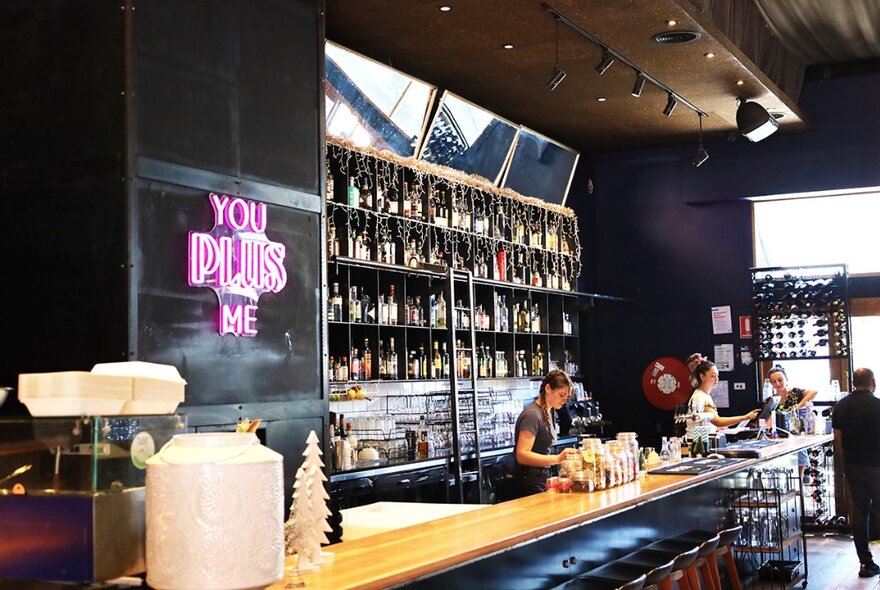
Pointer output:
x,y
535,433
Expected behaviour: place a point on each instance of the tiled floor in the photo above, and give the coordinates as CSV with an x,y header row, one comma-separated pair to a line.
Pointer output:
x,y
833,565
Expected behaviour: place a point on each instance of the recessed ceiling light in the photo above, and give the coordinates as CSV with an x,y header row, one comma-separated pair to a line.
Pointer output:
x,y
445,8
601,99
710,55
739,82
672,23
508,46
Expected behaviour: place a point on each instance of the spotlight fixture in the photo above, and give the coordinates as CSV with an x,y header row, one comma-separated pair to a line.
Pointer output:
x,y
558,73
607,60
671,103
640,84
445,8
508,46
702,154
557,78
753,120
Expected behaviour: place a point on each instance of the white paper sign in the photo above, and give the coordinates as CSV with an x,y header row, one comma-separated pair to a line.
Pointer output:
x,y
724,357
721,395
722,322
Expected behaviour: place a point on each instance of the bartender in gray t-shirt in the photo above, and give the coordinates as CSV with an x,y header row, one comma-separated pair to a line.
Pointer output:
x,y
535,433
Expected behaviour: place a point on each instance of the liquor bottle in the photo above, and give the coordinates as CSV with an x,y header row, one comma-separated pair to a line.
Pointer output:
x,y
367,363
353,305
383,311
332,242
422,363
334,309
538,361
481,363
331,373
355,370
500,364
407,204
368,311
392,308
383,366
366,197
437,364
536,319
412,255
342,370
441,311
501,266
411,365
392,201
417,205
331,186
392,361
354,195
380,198
445,359
422,438
389,252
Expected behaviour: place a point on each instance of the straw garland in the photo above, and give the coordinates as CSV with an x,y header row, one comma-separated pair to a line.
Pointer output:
x,y
471,180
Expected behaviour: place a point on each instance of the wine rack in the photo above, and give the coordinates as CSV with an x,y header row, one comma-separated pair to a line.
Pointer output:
x,y
819,492
801,312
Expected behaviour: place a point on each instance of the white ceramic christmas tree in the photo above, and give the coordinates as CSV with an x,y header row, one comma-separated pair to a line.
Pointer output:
x,y
307,526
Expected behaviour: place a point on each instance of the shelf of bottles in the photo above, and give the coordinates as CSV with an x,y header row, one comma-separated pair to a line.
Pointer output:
x,y
380,211
392,231
387,326
801,312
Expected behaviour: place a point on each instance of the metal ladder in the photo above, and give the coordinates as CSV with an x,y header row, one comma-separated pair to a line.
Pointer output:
x,y
457,470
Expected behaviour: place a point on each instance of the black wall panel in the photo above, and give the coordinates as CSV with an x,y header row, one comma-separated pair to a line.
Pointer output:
x,y
231,87
177,323
62,65
65,297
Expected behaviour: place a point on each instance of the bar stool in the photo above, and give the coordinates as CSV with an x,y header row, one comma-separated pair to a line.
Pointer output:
x,y
582,583
621,572
705,548
680,563
727,538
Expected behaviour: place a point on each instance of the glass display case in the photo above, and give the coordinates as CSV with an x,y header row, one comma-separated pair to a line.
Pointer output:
x,y
72,495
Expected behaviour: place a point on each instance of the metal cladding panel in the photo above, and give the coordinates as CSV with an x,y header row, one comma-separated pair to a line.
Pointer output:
x,y
178,324
64,261
63,77
231,87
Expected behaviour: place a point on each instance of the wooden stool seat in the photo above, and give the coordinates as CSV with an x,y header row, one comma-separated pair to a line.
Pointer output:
x,y
705,548
680,564
582,583
620,571
726,539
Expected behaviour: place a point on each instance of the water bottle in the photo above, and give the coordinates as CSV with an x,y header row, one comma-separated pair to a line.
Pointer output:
x,y
664,451
835,389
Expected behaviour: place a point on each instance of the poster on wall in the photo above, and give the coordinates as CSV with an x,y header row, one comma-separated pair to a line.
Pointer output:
x,y
724,357
721,320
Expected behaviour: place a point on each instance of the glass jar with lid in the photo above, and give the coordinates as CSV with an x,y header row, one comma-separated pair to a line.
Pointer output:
x,y
632,444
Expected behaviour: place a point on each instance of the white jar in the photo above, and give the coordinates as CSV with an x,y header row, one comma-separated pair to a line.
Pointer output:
x,y
214,513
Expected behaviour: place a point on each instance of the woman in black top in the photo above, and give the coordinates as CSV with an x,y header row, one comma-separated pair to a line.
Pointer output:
x,y
535,433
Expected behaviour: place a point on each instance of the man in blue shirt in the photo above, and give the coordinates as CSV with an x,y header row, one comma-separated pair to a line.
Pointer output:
x,y
856,422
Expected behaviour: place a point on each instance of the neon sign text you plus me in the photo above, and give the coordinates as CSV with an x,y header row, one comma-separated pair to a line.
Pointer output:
x,y
237,260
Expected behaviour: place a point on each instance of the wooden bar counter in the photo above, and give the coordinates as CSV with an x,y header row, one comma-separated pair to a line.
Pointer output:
x,y
504,532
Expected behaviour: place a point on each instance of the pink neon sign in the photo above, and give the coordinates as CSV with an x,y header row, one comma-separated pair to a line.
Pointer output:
x,y
237,261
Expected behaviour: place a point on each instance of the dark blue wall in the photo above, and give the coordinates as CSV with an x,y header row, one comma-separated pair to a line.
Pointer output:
x,y
678,239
